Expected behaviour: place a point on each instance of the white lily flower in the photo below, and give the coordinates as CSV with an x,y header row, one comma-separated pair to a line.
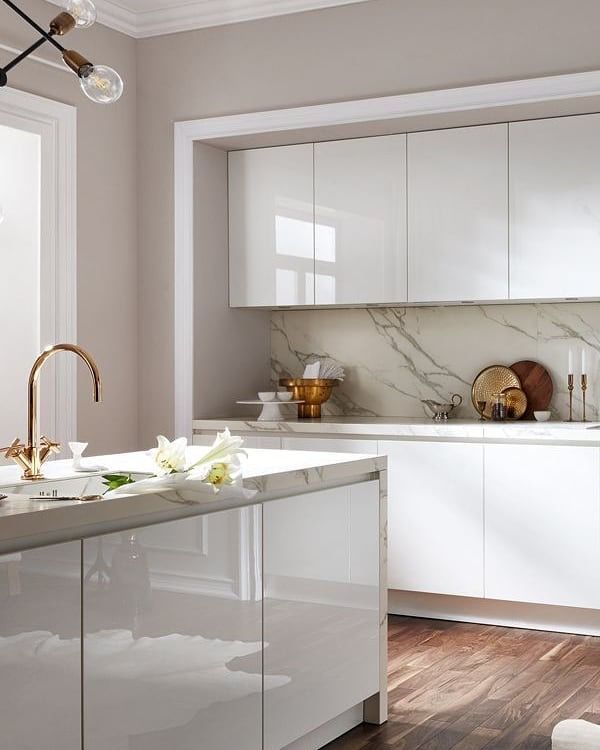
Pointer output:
x,y
223,450
169,458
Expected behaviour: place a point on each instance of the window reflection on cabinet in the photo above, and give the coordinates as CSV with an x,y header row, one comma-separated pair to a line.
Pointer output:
x,y
271,218
321,627
40,648
360,221
173,635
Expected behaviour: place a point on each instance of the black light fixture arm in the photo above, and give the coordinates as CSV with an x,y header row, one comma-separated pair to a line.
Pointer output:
x,y
99,83
48,37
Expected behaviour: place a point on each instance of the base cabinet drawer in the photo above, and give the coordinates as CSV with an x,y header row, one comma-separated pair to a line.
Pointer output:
x,y
542,524
435,517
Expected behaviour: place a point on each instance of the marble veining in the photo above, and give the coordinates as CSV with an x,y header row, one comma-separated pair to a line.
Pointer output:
x,y
396,356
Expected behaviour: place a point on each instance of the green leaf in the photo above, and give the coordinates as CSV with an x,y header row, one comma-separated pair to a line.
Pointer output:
x,y
114,481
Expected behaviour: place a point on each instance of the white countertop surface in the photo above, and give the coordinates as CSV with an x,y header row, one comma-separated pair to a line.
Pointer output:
x,y
406,428
267,474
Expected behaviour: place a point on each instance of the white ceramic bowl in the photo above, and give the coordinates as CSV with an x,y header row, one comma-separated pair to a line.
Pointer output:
x,y
542,416
284,395
267,396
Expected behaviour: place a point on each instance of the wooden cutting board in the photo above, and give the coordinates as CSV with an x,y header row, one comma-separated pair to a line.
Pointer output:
x,y
537,384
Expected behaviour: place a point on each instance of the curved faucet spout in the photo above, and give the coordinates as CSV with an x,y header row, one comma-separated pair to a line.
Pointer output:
x,y
35,454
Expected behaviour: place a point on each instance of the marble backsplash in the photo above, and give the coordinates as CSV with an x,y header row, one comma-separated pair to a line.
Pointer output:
x,y
394,357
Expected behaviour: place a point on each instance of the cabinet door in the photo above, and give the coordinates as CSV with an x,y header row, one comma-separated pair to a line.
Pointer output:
x,y
40,648
542,524
555,208
321,627
270,442
271,223
458,214
360,221
329,445
173,635
435,517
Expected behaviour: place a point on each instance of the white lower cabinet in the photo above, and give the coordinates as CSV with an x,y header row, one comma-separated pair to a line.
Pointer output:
x,y
330,445
173,636
250,441
435,517
321,608
542,524
40,649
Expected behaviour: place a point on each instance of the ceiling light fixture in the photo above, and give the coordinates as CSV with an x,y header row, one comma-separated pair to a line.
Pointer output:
x,y
99,83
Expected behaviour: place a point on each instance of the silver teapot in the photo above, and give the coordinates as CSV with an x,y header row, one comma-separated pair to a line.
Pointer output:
x,y
440,411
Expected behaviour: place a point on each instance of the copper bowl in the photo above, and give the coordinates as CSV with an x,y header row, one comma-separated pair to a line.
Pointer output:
x,y
313,391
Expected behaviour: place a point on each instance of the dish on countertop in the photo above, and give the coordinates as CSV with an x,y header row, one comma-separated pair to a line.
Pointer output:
x,y
489,383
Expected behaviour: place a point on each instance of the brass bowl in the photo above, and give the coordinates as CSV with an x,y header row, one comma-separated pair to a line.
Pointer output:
x,y
313,391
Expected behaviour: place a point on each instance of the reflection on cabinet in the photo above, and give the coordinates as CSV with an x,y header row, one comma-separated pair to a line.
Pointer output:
x,y
40,648
330,445
555,208
458,214
435,517
168,657
542,524
271,213
360,221
321,628
250,441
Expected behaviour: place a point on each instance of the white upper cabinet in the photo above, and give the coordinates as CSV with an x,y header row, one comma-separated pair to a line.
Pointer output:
x,y
555,208
458,214
360,221
271,221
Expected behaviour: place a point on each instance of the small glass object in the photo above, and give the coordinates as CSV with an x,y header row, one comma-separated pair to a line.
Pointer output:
x,y
481,409
499,411
102,84
83,11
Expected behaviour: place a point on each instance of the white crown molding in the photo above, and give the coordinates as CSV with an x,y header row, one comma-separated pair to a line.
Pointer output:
x,y
199,14
503,94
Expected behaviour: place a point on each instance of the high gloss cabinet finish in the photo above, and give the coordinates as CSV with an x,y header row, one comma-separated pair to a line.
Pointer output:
x,y
321,605
40,649
271,219
360,221
458,214
173,638
435,517
555,208
542,524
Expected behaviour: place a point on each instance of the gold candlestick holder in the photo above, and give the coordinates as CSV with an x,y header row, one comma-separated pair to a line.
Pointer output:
x,y
571,386
583,390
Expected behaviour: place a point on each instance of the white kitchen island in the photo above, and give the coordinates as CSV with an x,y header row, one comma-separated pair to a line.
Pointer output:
x,y
183,620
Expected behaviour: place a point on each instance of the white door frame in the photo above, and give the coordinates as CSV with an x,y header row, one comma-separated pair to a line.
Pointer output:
x,y
56,124
467,98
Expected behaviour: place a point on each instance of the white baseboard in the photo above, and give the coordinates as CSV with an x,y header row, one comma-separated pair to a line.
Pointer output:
x,y
493,612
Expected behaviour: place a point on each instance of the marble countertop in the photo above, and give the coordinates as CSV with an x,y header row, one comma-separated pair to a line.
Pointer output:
x,y
405,428
267,475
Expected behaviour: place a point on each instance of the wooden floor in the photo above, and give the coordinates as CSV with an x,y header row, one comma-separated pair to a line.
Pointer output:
x,y
455,685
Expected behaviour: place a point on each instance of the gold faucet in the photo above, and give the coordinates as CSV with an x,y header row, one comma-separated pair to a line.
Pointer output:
x,y
30,457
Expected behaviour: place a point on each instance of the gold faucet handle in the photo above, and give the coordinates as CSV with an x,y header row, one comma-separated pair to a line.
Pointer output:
x,y
50,445
14,449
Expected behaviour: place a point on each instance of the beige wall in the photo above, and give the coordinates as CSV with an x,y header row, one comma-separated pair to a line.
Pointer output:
x,y
107,221
369,49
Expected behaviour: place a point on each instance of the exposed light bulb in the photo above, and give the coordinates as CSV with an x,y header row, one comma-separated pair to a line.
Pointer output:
x,y
83,11
102,84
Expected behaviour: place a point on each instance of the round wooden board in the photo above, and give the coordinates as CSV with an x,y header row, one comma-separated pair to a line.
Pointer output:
x,y
537,384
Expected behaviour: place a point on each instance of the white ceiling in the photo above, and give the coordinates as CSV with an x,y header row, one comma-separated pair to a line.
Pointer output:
x,y
143,18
